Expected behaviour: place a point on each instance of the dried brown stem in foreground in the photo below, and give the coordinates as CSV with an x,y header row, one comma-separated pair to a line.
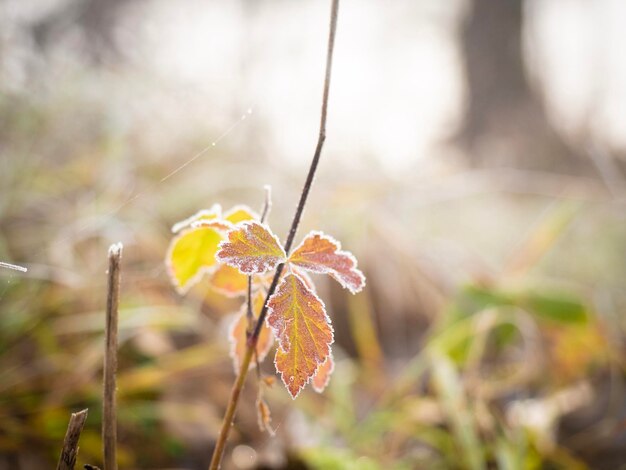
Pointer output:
x,y
109,423
67,461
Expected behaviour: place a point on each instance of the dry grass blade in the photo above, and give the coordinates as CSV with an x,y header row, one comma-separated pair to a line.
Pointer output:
x,y
109,423
67,461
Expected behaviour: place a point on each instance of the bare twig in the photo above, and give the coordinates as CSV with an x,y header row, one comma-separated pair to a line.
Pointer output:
x,y
253,339
267,205
249,314
109,423
70,442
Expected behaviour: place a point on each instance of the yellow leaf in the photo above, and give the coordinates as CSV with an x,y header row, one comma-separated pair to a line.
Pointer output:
x,y
252,248
190,254
320,253
299,321
240,213
238,334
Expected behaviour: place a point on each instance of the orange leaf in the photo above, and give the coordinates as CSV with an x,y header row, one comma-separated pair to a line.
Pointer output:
x,y
229,281
252,248
298,318
238,334
322,254
264,418
269,380
322,376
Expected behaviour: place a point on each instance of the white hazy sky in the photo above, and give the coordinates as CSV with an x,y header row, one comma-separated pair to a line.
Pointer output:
x,y
397,89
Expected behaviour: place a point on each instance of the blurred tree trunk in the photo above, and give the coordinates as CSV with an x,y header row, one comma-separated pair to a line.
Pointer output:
x,y
95,19
505,123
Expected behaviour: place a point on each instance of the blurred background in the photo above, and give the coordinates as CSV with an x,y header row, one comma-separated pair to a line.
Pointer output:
x,y
475,164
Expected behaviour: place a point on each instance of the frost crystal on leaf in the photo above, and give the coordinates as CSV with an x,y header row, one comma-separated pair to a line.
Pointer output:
x,y
252,248
320,253
298,318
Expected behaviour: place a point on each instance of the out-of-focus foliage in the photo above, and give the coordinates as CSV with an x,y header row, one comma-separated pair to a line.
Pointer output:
x,y
490,334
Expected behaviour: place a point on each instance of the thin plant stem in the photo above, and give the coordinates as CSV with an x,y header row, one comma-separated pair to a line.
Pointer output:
x,y
249,314
109,422
67,460
254,337
267,205
230,409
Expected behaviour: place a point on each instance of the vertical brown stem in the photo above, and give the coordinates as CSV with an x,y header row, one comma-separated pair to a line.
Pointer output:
x,y
109,424
253,339
67,461
230,410
267,205
249,314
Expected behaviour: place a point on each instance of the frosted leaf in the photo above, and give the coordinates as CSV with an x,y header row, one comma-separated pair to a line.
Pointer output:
x,y
252,248
299,321
320,253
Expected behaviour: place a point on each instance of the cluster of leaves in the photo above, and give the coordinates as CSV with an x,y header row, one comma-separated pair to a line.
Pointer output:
x,y
235,247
